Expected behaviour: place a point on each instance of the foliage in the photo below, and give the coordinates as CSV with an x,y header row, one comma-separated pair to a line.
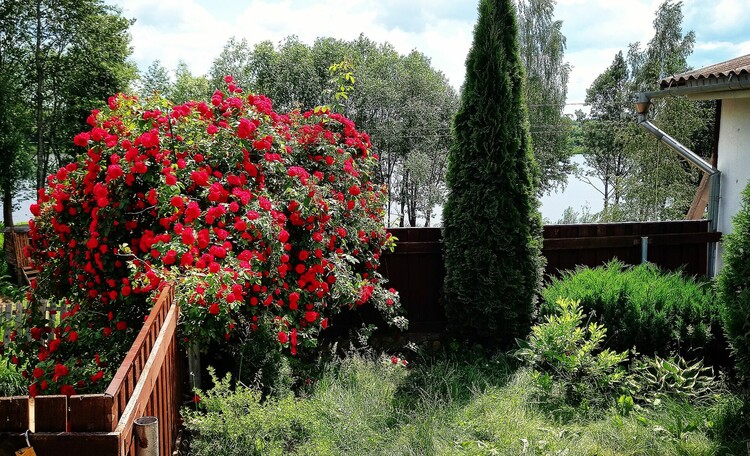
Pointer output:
x,y
464,405
638,177
567,354
542,48
656,312
655,379
58,60
11,381
235,421
492,229
400,100
261,220
16,155
733,285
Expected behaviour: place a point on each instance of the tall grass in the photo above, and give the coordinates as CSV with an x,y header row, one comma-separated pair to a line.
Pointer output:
x,y
440,406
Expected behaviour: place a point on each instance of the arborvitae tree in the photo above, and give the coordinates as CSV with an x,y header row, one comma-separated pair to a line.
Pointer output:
x,y
492,227
734,286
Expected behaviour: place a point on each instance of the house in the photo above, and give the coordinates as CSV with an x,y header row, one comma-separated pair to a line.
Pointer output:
x,y
729,83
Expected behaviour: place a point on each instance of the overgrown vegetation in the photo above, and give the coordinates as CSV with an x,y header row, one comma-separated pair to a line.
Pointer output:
x,y
657,312
454,404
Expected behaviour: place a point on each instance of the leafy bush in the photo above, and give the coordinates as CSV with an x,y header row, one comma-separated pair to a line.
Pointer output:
x,y
734,286
655,379
654,311
566,354
11,381
260,220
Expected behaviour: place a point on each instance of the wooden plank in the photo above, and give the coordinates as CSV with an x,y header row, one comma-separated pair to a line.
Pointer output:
x,y
51,413
116,383
418,247
14,413
89,413
61,444
139,400
591,242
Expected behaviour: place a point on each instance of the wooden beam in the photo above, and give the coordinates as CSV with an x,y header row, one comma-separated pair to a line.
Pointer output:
x,y
138,402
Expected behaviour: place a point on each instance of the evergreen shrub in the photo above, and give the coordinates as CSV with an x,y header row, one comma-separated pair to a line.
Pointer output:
x,y
657,312
734,286
492,228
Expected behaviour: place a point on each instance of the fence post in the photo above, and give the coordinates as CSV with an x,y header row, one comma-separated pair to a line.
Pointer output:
x,y
194,365
644,249
147,436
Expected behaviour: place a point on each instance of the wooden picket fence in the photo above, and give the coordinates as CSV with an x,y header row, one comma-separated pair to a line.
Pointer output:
x,y
147,383
13,314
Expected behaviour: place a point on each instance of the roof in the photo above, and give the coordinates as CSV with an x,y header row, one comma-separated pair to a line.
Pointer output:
x,y
724,70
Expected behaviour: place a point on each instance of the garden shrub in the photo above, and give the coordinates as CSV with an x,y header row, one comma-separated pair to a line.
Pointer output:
x,y
568,360
492,227
656,312
261,220
734,286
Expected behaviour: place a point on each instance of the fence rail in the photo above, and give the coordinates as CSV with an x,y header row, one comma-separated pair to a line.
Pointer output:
x,y
417,271
147,383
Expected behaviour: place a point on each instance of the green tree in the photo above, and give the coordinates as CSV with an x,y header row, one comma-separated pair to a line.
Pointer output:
x,y
492,228
662,185
78,53
16,155
189,87
542,50
642,179
606,132
156,81
734,285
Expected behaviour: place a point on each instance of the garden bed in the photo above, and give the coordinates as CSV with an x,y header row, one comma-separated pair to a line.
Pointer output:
x,y
146,384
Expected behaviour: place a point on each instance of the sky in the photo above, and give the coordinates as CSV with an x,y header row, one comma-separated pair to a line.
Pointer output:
x,y
195,31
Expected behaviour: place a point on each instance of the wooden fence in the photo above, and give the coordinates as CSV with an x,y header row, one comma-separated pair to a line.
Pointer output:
x,y
417,271
146,384
14,244
13,313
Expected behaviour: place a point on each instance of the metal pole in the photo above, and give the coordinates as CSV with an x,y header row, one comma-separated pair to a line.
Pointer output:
x,y
147,436
644,249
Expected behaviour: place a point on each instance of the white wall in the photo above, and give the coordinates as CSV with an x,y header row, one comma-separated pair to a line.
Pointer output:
x,y
733,161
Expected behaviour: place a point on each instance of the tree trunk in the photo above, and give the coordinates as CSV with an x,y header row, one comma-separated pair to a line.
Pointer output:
x,y
7,204
40,161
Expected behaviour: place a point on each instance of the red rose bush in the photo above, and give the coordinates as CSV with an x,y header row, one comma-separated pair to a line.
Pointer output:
x,y
262,221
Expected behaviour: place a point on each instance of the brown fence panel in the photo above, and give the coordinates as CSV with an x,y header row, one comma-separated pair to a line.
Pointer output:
x,y
417,271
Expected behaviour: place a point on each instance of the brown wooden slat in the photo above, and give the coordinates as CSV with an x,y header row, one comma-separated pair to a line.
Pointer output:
x,y
418,247
51,413
591,242
14,413
88,413
142,392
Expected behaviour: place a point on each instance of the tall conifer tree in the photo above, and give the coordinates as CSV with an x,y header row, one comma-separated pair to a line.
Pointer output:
x,y
492,227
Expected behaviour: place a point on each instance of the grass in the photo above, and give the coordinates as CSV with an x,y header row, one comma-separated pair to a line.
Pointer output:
x,y
11,382
445,406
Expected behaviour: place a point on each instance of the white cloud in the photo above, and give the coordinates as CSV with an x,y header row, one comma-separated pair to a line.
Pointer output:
x,y
196,30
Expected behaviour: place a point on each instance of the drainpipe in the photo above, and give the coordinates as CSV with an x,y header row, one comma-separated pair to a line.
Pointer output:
x,y
642,106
